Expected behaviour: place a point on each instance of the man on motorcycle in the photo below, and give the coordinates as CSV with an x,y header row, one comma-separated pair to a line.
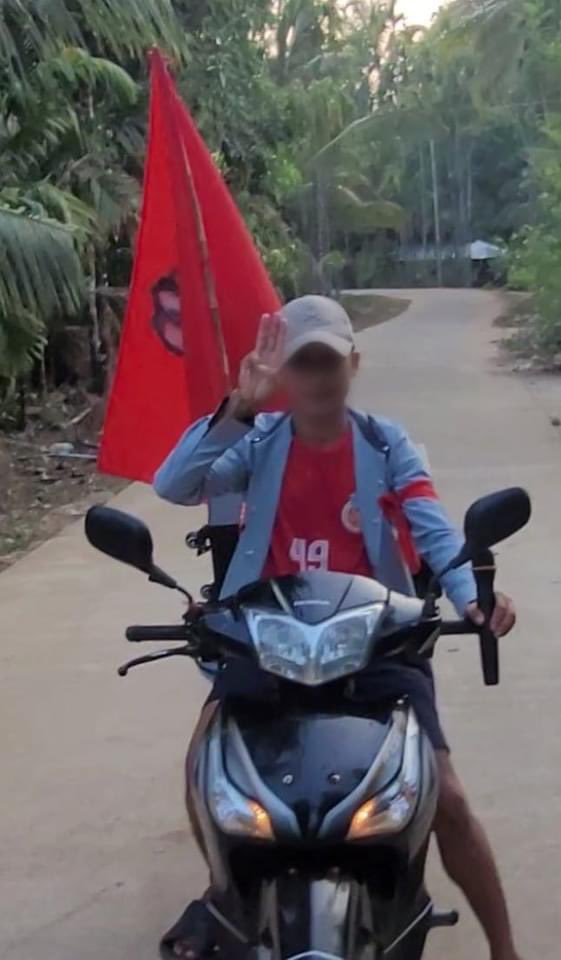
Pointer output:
x,y
328,488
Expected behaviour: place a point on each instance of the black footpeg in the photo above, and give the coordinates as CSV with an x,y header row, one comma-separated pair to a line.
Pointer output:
x,y
450,919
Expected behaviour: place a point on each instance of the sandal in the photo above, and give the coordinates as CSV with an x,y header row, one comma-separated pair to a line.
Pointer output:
x,y
192,937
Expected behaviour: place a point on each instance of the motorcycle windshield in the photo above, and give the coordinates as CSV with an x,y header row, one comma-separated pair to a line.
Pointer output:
x,y
314,597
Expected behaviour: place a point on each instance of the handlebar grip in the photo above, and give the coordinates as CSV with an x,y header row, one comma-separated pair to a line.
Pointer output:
x,y
484,570
168,634
490,657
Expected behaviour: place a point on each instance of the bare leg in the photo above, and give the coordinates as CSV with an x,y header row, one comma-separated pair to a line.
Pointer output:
x,y
469,861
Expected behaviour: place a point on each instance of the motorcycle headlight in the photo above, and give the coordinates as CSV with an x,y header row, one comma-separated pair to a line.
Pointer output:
x,y
393,809
313,655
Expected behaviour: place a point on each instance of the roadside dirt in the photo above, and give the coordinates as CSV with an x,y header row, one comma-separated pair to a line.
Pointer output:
x,y
40,492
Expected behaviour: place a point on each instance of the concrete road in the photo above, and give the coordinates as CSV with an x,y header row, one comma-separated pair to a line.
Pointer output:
x,y
96,858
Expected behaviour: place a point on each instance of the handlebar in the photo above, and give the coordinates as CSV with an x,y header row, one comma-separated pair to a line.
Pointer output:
x,y
194,643
195,646
166,634
456,628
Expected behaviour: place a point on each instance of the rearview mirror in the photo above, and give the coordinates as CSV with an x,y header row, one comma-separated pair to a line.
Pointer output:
x,y
491,520
121,536
495,518
128,539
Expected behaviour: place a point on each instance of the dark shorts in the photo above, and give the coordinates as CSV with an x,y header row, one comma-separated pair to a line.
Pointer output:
x,y
379,687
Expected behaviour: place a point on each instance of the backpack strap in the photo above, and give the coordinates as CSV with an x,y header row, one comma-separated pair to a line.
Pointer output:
x,y
372,432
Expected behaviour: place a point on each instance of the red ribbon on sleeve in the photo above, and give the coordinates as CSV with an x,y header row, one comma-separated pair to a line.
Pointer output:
x,y
392,507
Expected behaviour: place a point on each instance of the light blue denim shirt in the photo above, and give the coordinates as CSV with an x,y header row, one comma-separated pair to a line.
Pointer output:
x,y
226,462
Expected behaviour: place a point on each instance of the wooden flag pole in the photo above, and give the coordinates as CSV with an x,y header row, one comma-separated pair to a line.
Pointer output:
x,y
208,275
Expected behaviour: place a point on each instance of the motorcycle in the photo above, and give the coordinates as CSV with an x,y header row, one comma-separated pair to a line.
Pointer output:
x,y
314,812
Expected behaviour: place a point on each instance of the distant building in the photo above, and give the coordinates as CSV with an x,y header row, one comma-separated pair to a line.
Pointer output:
x,y
477,251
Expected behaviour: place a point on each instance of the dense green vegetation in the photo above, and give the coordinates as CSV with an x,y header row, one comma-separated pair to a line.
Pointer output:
x,y
362,150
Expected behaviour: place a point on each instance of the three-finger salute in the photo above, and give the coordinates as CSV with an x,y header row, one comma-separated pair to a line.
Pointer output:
x,y
259,371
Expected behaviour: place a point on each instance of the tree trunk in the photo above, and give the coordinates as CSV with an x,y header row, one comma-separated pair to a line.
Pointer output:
x,y
95,329
43,374
424,211
461,231
322,223
458,206
111,327
349,264
468,211
469,190
436,211
423,197
22,404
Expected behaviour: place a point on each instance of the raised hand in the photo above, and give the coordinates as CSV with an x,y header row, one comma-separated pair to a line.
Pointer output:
x,y
259,370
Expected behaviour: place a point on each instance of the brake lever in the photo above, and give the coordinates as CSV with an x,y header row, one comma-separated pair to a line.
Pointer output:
x,y
189,650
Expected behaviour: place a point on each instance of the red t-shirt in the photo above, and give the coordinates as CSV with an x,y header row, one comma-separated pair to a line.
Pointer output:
x,y
317,526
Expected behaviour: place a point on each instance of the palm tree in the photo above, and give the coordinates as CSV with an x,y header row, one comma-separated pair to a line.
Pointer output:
x,y
327,54
68,132
497,30
35,29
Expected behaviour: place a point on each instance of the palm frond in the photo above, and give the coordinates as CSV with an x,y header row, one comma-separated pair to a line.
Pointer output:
x,y
23,338
111,193
74,66
31,137
406,123
130,26
27,27
63,206
481,22
470,12
31,29
131,138
354,215
115,196
355,126
40,270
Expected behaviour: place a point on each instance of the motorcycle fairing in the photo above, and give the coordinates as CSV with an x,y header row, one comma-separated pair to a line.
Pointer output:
x,y
310,761
256,881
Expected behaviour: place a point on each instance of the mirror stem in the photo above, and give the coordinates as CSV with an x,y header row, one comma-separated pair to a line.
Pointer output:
x,y
156,575
430,607
186,594
159,576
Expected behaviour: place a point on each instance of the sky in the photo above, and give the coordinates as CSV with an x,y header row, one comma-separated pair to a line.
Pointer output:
x,y
419,11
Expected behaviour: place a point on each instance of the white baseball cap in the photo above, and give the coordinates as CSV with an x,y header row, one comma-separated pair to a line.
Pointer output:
x,y
315,319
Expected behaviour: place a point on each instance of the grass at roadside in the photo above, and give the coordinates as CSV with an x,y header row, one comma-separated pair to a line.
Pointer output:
x,y
522,340
370,309
517,312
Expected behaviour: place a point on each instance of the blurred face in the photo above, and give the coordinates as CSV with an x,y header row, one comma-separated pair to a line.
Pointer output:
x,y
317,380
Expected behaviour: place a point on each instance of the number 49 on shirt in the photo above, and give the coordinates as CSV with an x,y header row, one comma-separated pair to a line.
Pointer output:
x,y
310,554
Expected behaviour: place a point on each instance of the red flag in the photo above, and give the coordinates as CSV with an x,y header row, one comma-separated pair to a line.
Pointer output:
x,y
198,291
